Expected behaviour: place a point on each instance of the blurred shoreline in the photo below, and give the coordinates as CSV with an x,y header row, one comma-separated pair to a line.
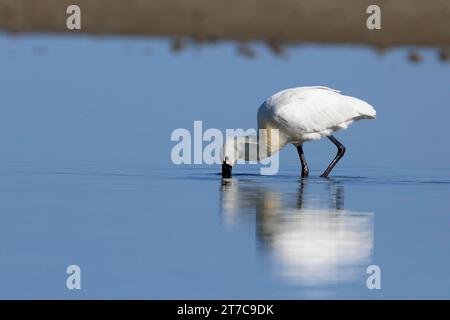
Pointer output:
x,y
276,22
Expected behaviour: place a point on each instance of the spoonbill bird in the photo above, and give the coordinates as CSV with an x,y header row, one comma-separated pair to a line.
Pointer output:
x,y
297,115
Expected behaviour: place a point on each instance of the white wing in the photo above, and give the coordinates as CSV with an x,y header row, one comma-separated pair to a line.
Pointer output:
x,y
310,112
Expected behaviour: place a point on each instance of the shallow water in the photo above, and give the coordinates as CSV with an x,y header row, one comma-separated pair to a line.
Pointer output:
x,y
179,232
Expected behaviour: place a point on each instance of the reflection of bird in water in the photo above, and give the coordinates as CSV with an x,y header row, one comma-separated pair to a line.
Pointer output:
x,y
312,238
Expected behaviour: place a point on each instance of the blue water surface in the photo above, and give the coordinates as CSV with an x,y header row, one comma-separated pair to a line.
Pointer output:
x,y
86,176
180,232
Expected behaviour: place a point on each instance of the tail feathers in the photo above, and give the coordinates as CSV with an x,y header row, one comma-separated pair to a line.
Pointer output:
x,y
369,112
365,110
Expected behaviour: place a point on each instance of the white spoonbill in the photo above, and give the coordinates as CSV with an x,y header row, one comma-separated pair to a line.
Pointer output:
x,y
298,115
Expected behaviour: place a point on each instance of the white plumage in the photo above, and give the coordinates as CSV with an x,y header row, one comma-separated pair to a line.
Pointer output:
x,y
308,113
298,114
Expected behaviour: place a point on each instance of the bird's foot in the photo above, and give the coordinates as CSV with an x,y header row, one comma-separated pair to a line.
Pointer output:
x,y
305,173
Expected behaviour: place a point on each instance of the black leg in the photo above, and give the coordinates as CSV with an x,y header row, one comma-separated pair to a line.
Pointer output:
x,y
340,154
305,170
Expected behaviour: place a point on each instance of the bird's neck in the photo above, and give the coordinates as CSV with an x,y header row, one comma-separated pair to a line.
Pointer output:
x,y
265,144
269,142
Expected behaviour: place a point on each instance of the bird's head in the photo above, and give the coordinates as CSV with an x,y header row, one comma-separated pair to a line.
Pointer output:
x,y
243,148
